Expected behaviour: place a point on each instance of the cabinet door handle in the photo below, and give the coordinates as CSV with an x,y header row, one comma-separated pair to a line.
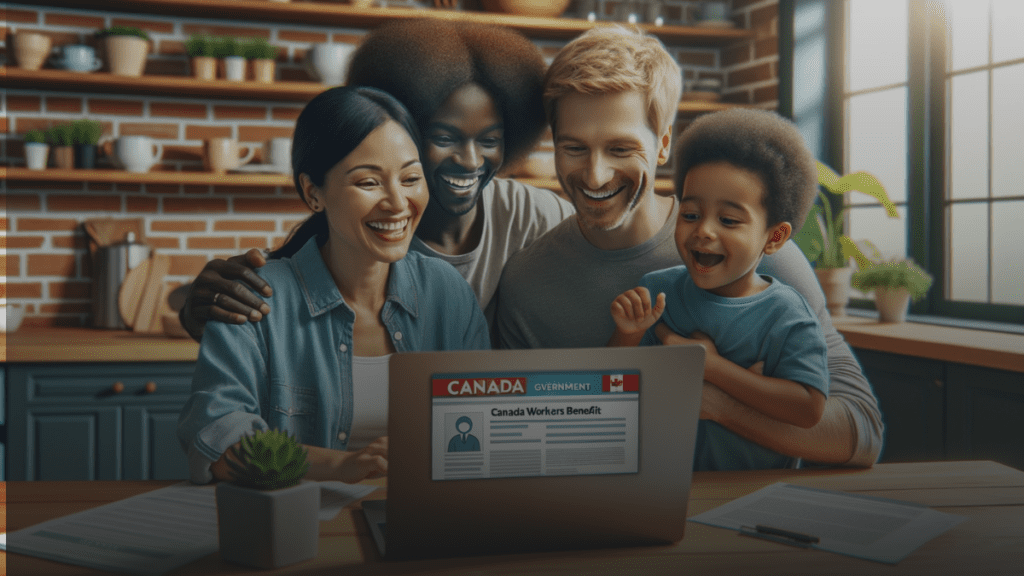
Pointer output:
x,y
117,388
150,387
939,383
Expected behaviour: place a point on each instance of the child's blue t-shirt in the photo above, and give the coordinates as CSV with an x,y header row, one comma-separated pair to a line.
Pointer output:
x,y
775,326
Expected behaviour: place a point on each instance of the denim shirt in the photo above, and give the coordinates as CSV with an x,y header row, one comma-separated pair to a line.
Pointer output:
x,y
293,369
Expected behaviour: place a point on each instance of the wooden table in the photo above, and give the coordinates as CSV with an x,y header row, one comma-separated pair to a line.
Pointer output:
x,y
990,541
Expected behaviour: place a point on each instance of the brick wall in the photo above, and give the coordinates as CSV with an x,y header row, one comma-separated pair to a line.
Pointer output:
x,y
46,262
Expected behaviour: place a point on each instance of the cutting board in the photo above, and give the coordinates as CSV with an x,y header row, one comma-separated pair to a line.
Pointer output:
x,y
142,299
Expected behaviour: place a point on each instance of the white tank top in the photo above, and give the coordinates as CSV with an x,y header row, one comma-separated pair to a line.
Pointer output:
x,y
369,400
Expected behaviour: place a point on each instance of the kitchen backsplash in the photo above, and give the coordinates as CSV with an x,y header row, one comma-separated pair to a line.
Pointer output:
x,y
47,263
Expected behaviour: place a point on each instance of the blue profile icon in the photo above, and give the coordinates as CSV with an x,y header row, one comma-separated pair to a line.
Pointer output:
x,y
464,441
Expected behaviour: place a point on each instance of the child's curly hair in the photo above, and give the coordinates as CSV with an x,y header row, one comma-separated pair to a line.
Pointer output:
x,y
764,143
421,62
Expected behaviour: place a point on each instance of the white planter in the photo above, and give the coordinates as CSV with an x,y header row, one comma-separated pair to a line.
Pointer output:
x,y
835,282
892,304
36,154
329,62
268,529
234,68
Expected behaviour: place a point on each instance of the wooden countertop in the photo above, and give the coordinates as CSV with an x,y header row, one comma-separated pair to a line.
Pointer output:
x,y
998,350
93,345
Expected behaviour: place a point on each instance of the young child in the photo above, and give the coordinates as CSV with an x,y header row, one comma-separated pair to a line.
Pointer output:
x,y
745,181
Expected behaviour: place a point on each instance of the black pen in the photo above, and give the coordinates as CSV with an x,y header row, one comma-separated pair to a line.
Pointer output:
x,y
779,535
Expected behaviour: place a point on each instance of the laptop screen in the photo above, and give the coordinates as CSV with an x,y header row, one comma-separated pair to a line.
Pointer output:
x,y
529,424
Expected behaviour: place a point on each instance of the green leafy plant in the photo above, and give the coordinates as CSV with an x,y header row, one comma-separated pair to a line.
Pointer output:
x,y
86,132
900,273
268,460
61,134
122,31
821,239
259,49
200,45
227,46
35,136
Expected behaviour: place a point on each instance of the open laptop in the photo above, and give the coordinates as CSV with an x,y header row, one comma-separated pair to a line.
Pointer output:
x,y
508,451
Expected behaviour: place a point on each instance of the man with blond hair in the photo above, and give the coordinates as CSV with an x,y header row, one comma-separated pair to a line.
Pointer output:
x,y
611,97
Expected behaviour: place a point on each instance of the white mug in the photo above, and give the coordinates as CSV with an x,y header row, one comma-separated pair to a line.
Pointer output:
x,y
277,152
137,153
222,154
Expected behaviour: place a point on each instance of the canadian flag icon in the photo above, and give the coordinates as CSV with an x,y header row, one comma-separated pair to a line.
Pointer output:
x,y
620,382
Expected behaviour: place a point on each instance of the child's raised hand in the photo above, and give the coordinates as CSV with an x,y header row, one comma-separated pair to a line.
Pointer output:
x,y
633,313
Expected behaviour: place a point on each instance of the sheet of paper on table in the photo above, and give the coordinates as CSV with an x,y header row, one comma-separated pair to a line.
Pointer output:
x,y
861,526
148,534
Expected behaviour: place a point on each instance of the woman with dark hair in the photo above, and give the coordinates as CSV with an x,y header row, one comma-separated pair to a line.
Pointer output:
x,y
348,294
475,93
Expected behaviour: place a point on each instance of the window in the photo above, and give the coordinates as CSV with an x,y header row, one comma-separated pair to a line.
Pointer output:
x,y
933,105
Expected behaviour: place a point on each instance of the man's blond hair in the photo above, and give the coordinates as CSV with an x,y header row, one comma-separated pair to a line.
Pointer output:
x,y
613,59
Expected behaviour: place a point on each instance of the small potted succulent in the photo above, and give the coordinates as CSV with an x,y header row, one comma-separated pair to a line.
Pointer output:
x,y
232,54
62,138
127,48
85,134
895,283
202,52
36,150
262,55
267,515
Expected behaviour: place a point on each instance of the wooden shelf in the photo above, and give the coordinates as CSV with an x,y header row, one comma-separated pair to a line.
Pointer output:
x,y
188,87
206,178
336,14
180,86
155,177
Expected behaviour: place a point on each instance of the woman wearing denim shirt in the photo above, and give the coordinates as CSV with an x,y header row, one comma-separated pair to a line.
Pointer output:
x,y
349,296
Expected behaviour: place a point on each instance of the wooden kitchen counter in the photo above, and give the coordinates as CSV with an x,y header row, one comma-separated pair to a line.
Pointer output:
x,y
30,344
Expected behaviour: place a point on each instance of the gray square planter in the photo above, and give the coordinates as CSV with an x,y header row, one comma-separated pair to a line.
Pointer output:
x,y
268,529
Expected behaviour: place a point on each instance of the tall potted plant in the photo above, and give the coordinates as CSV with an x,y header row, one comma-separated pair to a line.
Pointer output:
x,y
262,55
822,240
127,48
36,150
61,136
895,283
86,135
267,514
202,53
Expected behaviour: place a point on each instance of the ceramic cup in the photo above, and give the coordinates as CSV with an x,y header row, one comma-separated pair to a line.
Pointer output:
x,y
328,62
77,58
136,153
31,49
222,155
277,152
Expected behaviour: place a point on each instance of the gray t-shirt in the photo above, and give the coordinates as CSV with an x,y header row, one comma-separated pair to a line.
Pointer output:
x,y
515,215
557,293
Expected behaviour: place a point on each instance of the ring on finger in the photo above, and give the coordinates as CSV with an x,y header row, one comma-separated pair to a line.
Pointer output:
x,y
216,299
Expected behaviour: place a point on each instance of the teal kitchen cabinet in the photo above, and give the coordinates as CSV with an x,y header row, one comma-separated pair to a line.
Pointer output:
x,y
985,415
96,421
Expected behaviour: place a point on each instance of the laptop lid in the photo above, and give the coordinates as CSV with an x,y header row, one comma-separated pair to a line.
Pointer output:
x,y
526,450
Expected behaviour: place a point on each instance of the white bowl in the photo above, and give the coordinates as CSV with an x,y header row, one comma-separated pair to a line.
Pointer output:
x,y
12,317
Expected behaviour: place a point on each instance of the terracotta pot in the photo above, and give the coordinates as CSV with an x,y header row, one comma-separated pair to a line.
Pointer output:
x,y
35,155
545,8
835,282
31,49
126,55
204,67
892,304
64,157
263,70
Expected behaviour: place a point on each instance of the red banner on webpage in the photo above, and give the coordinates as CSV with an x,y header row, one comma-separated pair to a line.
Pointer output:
x,y
507,385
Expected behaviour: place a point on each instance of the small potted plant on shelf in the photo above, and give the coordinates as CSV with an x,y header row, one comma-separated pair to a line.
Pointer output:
x,y
262,55
61,136
267,515
822,240
232,54
202,52
36,150
895,283
86,135
127,48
